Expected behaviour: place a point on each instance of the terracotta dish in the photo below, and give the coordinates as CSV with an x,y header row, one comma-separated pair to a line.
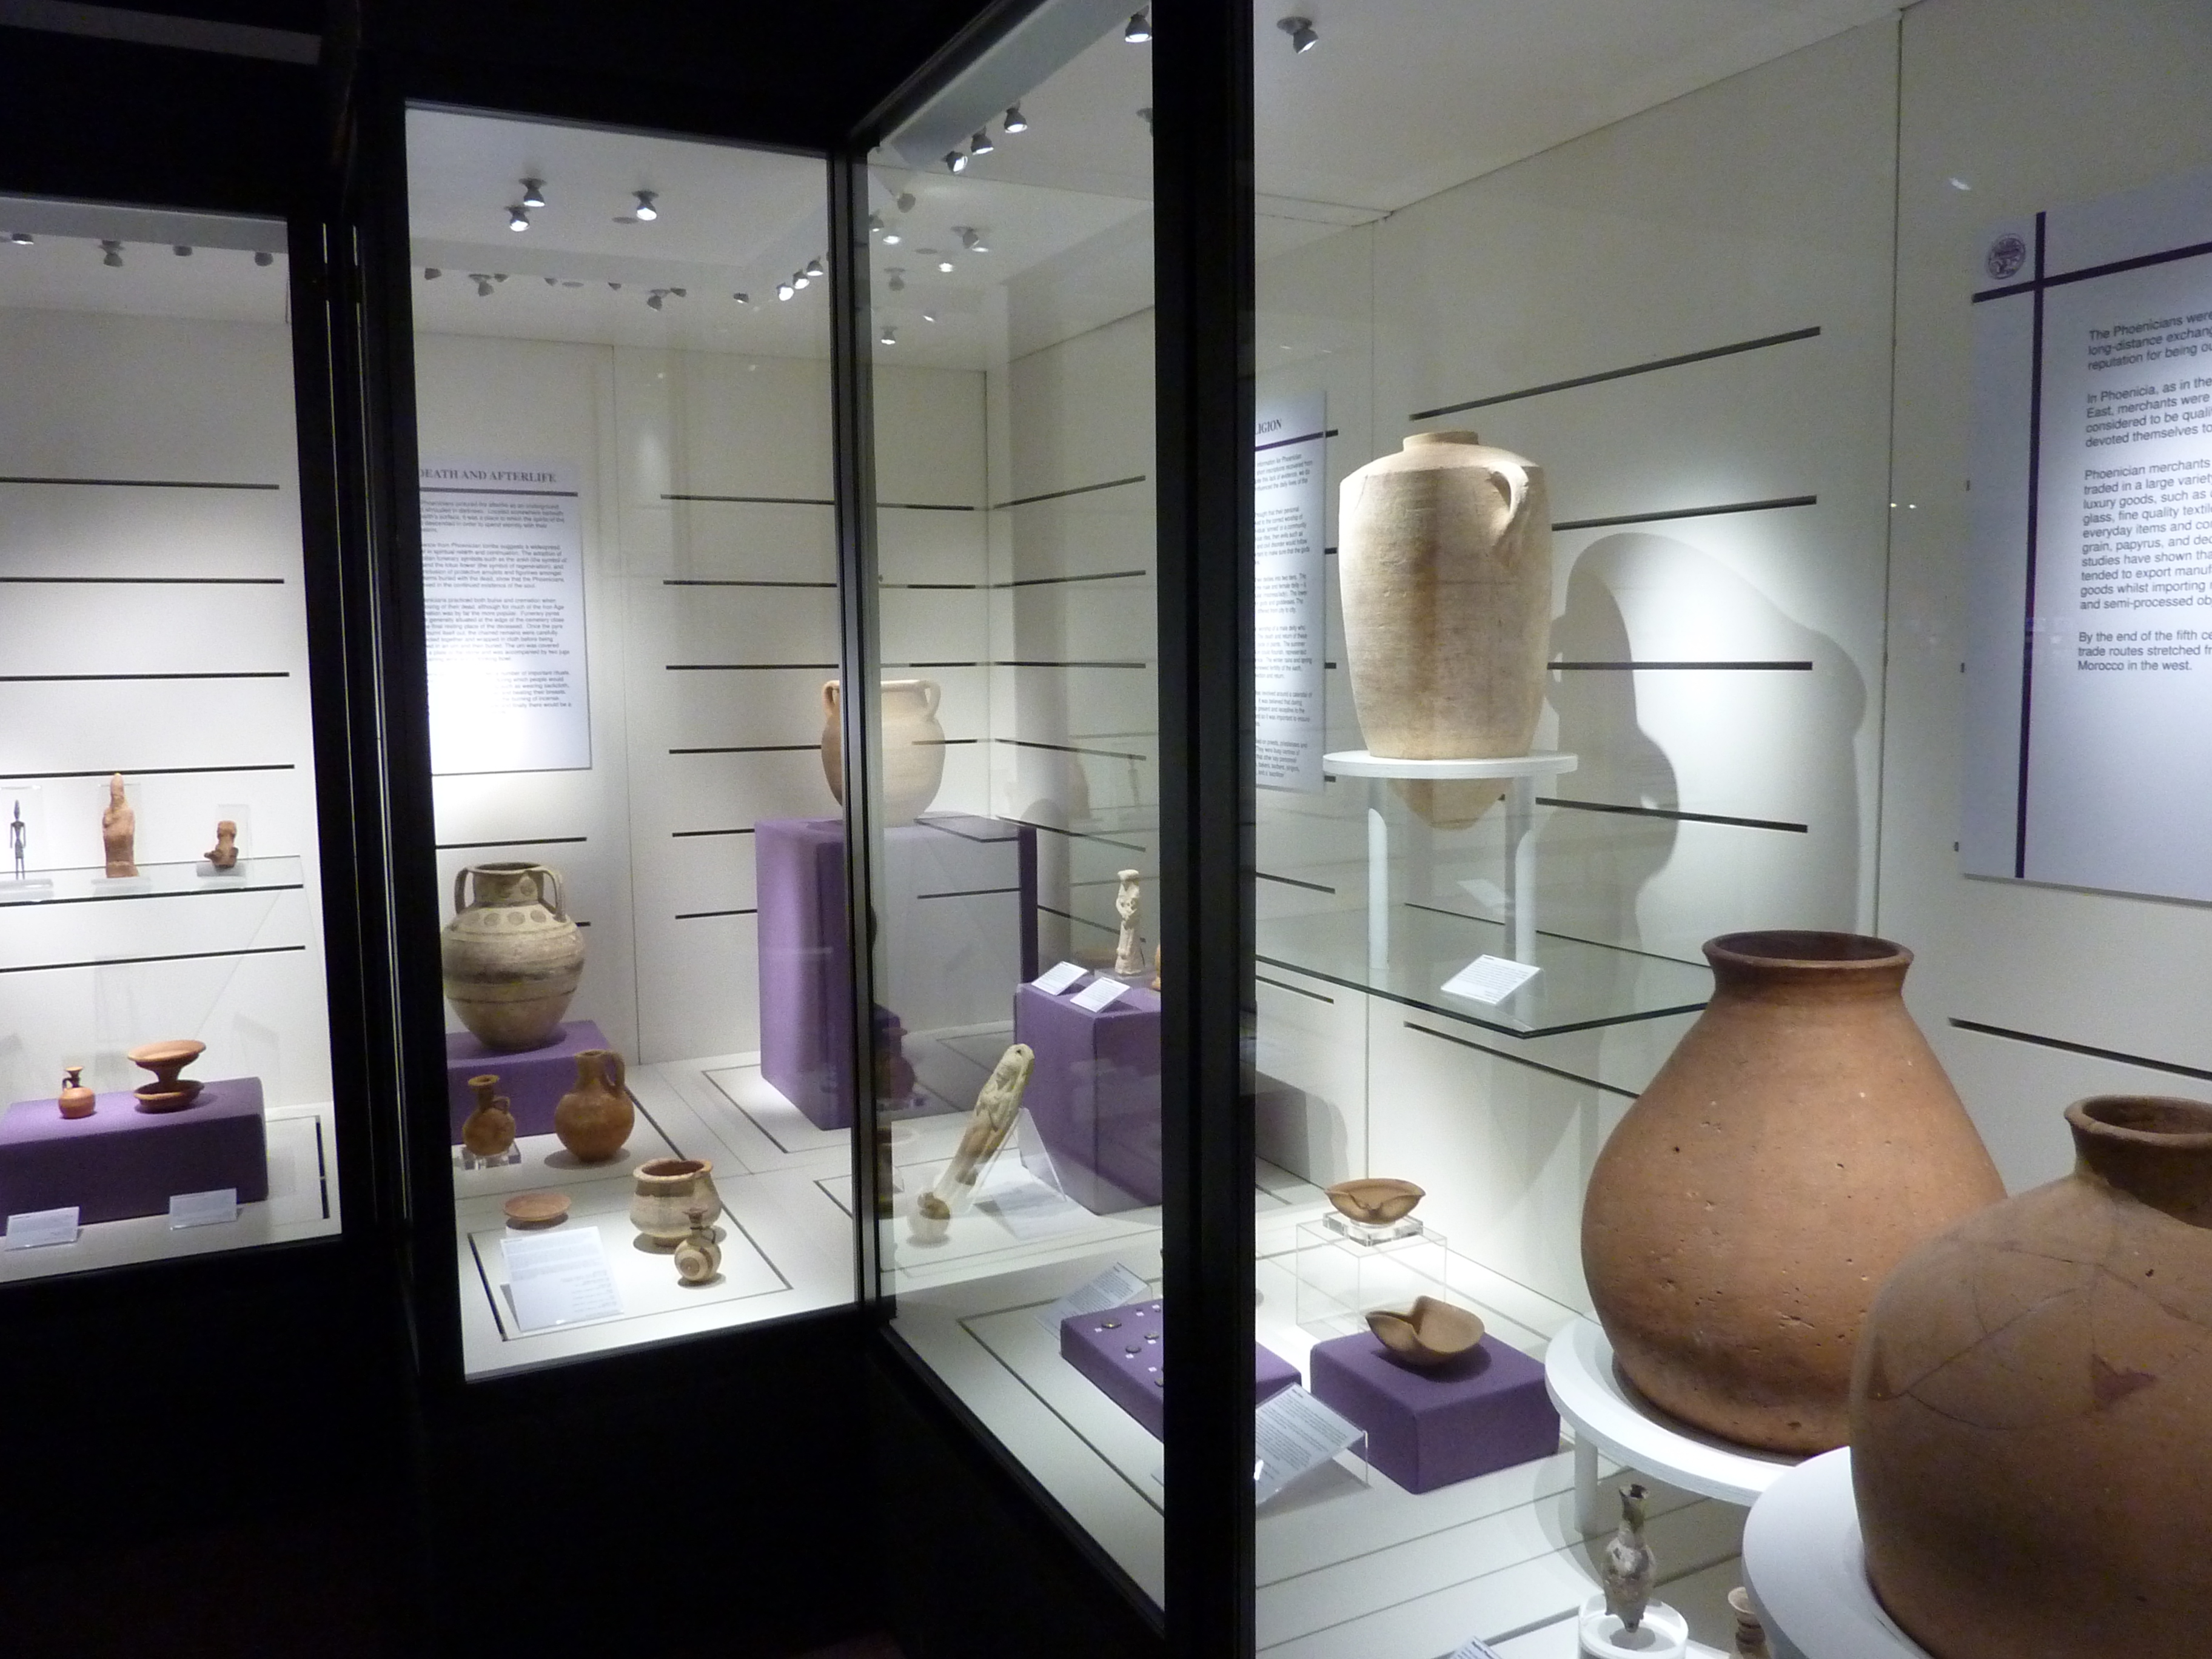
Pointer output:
x,y
1376,1199
536,1209
1427,1333
167,1092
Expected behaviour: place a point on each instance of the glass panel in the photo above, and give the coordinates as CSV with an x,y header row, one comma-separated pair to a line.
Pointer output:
x,y
163,887
631,584
1010,282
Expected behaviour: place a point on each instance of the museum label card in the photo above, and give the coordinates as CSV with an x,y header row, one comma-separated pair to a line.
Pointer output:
x,y
1099,994
28,1229
1292,1433
1058,977
559,1278
202,1209
1115,1287
1490,979
1474,1649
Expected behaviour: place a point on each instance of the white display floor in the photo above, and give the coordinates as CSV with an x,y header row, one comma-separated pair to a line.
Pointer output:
x,y
302,1203
1350,1565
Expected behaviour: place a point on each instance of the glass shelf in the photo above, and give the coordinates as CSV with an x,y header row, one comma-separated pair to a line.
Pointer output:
x,y
89,884
1583,985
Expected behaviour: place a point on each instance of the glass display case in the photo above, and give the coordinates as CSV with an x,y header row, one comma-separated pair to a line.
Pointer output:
x,y
630,601
165,1027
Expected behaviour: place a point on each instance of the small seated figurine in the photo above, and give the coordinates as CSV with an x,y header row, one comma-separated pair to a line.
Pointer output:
x,y
224,853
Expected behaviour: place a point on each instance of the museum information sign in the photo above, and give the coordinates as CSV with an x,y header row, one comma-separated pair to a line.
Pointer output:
x,y
2089,737
1289,478
504,612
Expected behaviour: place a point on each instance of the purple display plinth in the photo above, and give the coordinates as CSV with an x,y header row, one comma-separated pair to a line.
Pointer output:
x,y
1485,1410
1123,1350
950,959
121,1162
1094,1093
532,1080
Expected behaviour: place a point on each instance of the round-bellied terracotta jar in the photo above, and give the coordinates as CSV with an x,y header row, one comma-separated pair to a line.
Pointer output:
x,y
1801,1140
2032,1411
668,1191
594,1119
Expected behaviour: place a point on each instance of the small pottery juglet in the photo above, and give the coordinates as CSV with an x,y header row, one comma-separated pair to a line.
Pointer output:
x,y
595,1118
1375,1201
913,744
1427,1333
698,1257
489,1129
76,1100
668,1191
118,830
1630,1569
1800,1141
2032,1410
167,1092
223,856
1445,564
511,957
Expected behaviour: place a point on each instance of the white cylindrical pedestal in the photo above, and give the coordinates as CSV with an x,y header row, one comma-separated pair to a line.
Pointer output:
x,y
1663,1633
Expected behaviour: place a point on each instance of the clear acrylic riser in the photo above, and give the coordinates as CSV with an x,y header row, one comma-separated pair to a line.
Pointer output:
x,y
93,885
1346,1270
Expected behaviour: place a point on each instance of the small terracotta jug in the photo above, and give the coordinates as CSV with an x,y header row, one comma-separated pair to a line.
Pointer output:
x,y
698,1258
595,1118
489,1130
76,1100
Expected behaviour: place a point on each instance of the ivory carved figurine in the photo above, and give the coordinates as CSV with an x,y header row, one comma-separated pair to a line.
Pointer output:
x,y
996,1108
118,830
1128,904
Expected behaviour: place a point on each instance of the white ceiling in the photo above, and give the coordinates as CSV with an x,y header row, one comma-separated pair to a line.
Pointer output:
x,y
64,268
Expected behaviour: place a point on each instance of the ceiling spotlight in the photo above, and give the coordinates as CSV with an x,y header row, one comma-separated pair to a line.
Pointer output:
x,y
647,213
814,267
1301,31
895,279
875,224
784,290
799,279
1141,27
518,218
929,316
955,162
970,238
264,258
893,239
431,273
906,200
111,253
889,336
181,251
1016,121
533,192
657,298
483,283
945,266
552,281
742,298
1145,115
979,143
20,238
615,287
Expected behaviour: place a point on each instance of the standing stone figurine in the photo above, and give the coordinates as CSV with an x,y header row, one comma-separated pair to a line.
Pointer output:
x,y
119,831
1129,954
997,1106
224,853
1629,1567
18,840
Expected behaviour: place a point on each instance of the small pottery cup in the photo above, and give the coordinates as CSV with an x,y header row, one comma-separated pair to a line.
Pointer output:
x,y
668,1191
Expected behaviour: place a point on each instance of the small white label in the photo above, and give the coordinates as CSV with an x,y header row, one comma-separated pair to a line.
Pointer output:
x,y
30,1229
1490,979
559,1278
1294,1432
1058,977
1114,1288
1099,994
1474,1647
202,1209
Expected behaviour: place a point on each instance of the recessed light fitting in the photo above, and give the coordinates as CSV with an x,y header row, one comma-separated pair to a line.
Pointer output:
x,y
181,251
431,273
970,238
895,279
929,316
742,298
893,239
945,265
1016,121
533,192
1140,28
21,237
1301,31
889,337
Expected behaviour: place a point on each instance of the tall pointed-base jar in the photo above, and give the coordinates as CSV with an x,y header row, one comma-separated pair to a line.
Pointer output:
x,y
1801,1140
2031,1411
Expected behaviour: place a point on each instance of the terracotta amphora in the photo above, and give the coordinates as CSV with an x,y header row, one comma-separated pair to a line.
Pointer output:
x,y
1445,565
1800,1141
2031,1411
913,744
594,1119
512,956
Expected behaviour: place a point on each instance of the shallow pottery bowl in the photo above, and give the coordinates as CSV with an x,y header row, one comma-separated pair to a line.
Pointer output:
x,y
536,1209
1427,1333
1376,1200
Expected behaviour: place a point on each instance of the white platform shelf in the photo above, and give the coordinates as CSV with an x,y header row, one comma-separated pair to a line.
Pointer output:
x,y
1805,1563
1609,1416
